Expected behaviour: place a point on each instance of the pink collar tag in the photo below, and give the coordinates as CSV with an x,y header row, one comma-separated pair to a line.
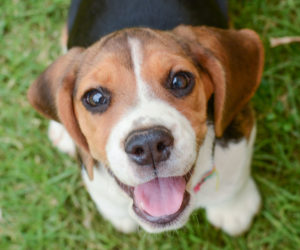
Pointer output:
x,y
207,175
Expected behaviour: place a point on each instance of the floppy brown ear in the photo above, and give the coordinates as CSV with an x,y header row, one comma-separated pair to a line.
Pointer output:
x,y
234,62
52,93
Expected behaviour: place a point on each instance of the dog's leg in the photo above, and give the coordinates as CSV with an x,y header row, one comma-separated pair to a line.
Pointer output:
x,y
237,199
234,216
60,138
110,200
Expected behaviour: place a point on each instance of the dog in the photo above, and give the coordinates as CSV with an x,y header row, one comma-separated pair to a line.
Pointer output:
x,y
160,114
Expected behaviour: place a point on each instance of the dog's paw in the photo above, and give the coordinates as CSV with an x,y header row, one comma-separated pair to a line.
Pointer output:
x,y
125,225
235,216
60,138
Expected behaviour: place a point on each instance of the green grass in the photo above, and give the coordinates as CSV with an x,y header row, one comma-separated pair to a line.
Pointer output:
x,y
42,198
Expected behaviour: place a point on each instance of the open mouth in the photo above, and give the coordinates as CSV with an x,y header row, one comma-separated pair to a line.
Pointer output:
x,y
160,200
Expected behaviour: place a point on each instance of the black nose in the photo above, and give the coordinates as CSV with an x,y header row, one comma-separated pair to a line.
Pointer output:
x,y
149,146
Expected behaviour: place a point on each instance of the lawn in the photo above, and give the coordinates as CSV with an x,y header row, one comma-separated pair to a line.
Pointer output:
x,y
42,198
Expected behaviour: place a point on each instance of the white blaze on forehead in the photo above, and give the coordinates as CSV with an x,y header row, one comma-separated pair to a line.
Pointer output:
x,y
136,51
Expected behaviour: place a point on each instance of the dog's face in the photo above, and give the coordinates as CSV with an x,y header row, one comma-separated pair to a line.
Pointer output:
x,y
136,101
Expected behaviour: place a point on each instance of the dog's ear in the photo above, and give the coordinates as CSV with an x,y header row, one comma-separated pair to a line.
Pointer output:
x,y
52,94
233,61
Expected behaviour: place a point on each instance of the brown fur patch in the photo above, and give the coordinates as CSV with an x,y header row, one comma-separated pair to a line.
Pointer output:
x,y
112,71
234,61
158,62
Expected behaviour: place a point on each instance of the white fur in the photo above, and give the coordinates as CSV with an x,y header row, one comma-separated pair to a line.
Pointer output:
x,y
233,170
110,200
137,59
235,215
231,203
60,138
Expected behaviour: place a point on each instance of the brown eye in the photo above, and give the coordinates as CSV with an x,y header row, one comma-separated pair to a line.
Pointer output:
x,y
96,100
181,83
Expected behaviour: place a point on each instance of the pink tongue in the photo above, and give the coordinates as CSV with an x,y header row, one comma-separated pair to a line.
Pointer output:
x,y
160,196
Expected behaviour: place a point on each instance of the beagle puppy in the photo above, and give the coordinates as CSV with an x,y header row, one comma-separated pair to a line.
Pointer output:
x,y
160,114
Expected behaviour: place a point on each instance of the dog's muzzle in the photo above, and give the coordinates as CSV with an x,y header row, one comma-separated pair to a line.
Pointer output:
x,y
159,200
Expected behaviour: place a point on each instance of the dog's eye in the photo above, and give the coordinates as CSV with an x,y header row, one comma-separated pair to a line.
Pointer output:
x,y
96,100
181,83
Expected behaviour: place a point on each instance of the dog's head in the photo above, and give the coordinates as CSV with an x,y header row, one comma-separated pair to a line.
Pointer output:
x,y
136,101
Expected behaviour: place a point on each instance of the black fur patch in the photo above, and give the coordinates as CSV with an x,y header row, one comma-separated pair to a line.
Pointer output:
x,y
90,20
232,133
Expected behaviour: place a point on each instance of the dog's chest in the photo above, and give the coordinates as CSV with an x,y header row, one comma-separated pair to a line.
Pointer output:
x,y
224,173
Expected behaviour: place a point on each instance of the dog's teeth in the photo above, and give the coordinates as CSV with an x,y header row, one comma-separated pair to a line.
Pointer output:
x,y
141,205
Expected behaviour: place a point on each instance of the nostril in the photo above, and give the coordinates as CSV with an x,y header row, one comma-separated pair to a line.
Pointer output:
x,y
160,147
138,151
